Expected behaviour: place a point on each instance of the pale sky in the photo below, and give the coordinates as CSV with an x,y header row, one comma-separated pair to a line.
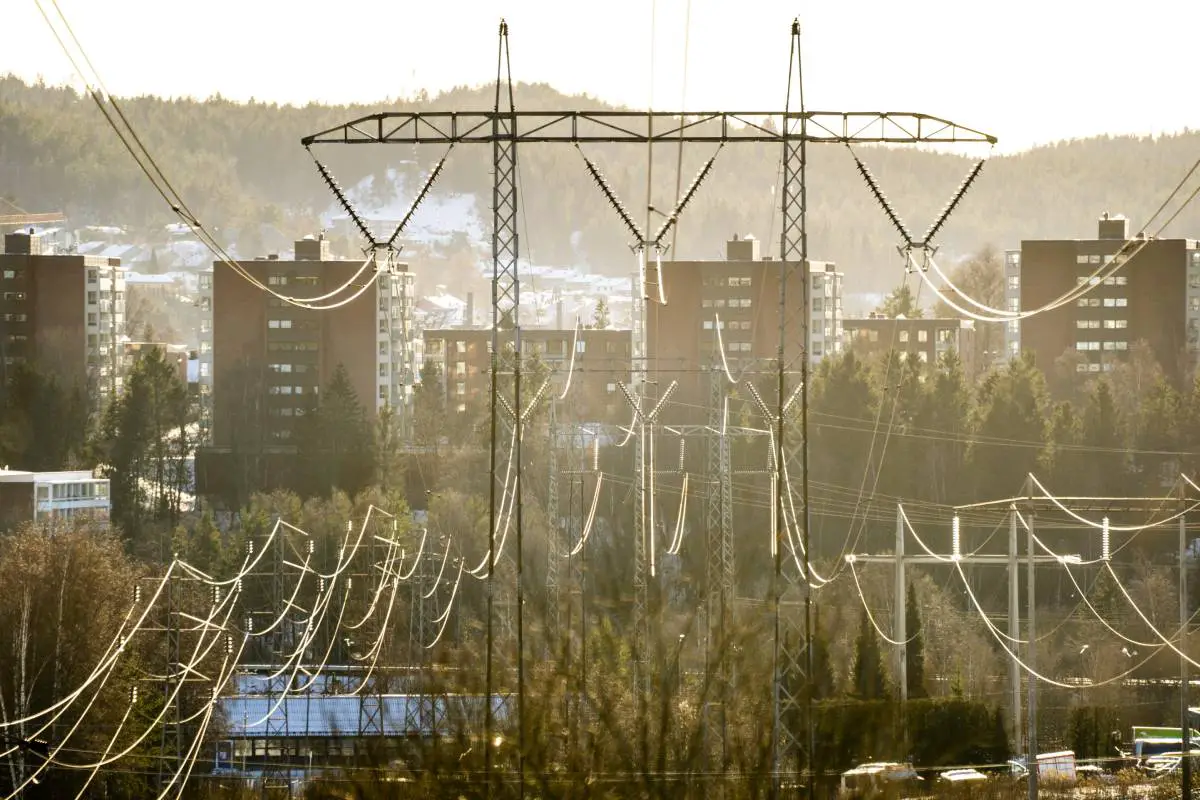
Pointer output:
x,y
1027,71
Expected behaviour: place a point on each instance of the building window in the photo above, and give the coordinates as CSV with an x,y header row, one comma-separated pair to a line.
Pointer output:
x,y
903,337
91,298
91,276
279,324
205,346
1088,302
706,303
460,368
1194,304
818,305
922,336
277,280
708,326
204,368
91,318
1014,281
460,346
1081,259
206,326
1093,259
1116,302
460,388
1113,324
873,335
1087,323
581,346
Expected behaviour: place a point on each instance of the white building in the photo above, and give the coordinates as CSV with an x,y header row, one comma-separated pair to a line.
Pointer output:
x,y
47,496
825,334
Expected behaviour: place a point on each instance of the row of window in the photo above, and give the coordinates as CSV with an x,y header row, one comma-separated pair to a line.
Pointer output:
x,y
1094,366
1111,280
1082,346
1102,302
1108,324
294,324
15,317
733,325
721,302
1094,259
292,347
288,368
731,280
738,347
284,278
289,390
104,319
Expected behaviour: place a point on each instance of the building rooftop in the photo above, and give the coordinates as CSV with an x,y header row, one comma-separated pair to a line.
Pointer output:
x,y
23,476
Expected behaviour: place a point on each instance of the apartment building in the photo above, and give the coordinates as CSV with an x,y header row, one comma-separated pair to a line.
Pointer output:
x,y
738,298
928,339
263,361
63,312
1154,297
602,359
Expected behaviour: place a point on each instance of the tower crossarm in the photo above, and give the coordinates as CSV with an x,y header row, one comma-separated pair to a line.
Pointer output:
x,y
668,127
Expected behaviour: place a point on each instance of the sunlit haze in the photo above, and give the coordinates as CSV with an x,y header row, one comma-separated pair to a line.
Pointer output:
x,y
1029,71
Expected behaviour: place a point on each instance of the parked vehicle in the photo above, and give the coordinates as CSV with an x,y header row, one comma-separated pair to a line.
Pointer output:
x,y
1052,767
886,778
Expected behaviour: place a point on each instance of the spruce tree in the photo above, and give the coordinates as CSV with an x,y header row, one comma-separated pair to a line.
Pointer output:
x,y
868,664
914,655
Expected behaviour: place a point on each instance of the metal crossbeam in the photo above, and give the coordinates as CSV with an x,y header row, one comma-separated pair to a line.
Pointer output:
x,y
647,127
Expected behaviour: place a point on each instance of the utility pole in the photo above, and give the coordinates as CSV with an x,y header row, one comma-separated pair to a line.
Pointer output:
x,y
1031,657
901,629
1014,628
1185,771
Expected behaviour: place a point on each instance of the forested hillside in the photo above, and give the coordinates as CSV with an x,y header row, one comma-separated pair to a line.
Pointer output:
x,y
239,164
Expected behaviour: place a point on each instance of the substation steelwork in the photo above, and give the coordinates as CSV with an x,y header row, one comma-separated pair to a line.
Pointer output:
x,y
793,129
1022,513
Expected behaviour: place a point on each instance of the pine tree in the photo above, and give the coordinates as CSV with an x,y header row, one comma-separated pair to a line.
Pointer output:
x,y
868,663
914,654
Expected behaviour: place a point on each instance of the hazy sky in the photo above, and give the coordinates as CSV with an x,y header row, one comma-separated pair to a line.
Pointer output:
x,y
1028,71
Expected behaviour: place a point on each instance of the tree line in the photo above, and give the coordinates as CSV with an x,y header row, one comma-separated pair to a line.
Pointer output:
x,y
242,170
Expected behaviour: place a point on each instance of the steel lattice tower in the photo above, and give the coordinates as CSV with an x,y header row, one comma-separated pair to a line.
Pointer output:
x,y
719,572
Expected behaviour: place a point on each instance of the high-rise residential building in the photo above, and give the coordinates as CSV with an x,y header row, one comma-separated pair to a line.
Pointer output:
x,y
1154,297
602,360
742,292
63,312
927,338
264,361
